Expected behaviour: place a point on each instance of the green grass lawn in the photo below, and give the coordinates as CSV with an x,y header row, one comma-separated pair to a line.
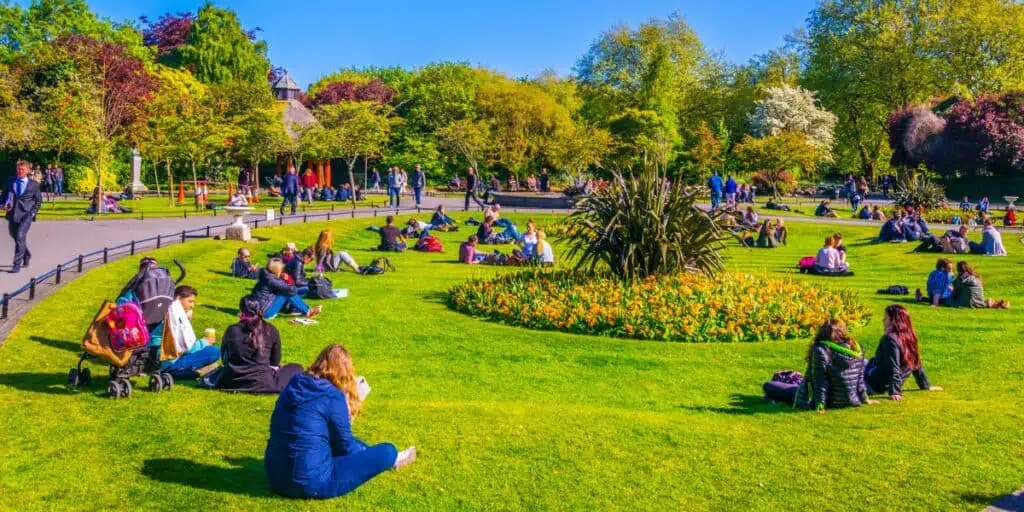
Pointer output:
x,y
154,207
509,418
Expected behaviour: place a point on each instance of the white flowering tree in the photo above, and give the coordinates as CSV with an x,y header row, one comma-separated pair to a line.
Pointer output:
x,y
793,109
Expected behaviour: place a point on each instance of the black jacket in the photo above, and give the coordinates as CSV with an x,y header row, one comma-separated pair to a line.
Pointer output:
x,y
249,370
297,269
834,378
26,205
240,268
886,372
268,286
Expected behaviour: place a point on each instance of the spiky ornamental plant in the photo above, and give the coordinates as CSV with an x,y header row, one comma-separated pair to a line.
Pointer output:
x,y
917,191
641,226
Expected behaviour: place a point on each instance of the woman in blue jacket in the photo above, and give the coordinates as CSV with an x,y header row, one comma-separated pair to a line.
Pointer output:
x,y
312,452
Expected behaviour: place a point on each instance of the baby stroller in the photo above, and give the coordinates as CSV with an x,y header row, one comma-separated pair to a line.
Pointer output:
x,y
146,296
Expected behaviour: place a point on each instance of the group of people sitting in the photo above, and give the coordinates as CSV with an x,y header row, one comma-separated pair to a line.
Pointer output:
x,y
955,241
838,375
769,235
831,258
904,226
533,248
965,290
396,239
106,204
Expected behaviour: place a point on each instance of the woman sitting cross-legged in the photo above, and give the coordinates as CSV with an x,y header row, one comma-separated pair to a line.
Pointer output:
x,y
830,260
766,235
968,291
824,209
940,284
312,452
781,233
251,354
469,255
545,254
275,294
528,242
897,357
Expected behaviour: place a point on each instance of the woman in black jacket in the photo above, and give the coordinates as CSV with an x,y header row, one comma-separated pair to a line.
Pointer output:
x,y
273,293
251,354
897,357
835,371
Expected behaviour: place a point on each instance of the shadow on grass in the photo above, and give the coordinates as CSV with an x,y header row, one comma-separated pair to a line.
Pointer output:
x,y
46,383
222,273
437,296
245,476
1008,502
70,346
744,404
221,309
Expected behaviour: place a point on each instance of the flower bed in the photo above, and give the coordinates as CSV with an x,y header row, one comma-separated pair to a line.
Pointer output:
x,y
685,307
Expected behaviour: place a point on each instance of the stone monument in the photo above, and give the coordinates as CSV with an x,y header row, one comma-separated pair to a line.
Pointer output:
x,y
137,185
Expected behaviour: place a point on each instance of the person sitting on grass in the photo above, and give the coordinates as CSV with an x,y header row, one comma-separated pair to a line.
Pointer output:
x,y
750,217
892,230
326,259
242,266
865,213
837,240
415,228
327,194
296,269
940,284
968,291
274,293
391,238
442,222
991,241
772,204
912,231
824,209
965,205
835,373
487,235
468,253
312,452
830,260
855,200
545,253
238,199
194,353
877,214
288,253
952,241
983,206
528,242
1010,219
766,235
251,354
897,357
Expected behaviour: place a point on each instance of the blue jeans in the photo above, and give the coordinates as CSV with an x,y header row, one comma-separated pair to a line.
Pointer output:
x,y
716,199
184,367
394,196
417,191
58,187
279,302
302,291
289,199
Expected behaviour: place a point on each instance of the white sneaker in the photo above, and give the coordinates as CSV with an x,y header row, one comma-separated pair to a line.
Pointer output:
x,y
405,457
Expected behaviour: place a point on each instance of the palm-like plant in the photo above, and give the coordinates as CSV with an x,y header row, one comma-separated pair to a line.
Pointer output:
x,y
917,191
640,227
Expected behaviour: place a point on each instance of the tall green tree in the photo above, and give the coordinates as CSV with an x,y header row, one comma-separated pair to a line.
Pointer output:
x,y
220,51
351,130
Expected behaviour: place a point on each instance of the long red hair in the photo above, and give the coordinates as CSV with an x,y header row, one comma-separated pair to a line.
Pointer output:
x,y
901,329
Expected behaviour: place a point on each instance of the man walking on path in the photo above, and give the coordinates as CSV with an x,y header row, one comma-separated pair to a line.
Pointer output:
x,y
471,184
290,189
730,192
394,188
715,184
544,187
58,181
22,202
419,180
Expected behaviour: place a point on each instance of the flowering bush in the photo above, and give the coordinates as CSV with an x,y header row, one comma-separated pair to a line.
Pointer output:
x,y
680,307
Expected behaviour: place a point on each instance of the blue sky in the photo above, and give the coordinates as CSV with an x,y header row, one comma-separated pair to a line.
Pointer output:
x,y
519,37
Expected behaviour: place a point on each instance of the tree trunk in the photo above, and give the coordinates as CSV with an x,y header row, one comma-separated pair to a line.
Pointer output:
x,y
170,184
195,183
352,179
156,176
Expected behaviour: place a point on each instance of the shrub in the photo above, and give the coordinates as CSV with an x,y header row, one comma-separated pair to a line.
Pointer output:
x,y
639,227
780,183
917,191
681,307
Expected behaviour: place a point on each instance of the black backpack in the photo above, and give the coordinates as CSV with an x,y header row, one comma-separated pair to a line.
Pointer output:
x,y
379,266
320,288
154,288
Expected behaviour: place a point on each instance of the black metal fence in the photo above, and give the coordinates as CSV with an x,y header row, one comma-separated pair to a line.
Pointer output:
x,y
107,254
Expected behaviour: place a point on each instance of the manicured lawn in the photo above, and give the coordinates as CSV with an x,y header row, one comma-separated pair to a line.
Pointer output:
x,y
508,418
153,207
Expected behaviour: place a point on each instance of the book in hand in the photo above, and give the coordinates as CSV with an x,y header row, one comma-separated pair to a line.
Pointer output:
x,y
362,387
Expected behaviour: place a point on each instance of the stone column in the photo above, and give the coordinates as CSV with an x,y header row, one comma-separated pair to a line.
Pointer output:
x,y
137,185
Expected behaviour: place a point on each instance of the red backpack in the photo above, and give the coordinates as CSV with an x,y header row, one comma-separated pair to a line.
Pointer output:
x,y
430,244
807,263
127,326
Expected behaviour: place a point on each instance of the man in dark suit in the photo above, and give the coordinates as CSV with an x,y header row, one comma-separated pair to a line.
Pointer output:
x,y
290,189
22,200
